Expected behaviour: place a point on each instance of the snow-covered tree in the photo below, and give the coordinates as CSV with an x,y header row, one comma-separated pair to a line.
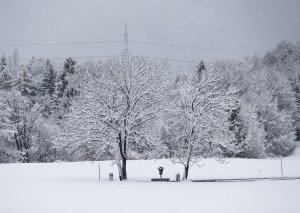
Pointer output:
x,y
3,63
24,118
68,70
5,75
248,131
25,84
13,63
37,68
62,84
17,125
43,149
198,118
200,69
285,58
267,90
274,106
120,100
6,79
49,80
113,110
6,130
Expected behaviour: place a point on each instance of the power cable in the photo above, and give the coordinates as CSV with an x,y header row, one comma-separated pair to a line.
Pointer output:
x,y
58,44
132,42
118,56
193,47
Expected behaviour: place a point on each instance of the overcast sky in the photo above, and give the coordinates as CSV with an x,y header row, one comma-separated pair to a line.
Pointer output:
x,y
250,25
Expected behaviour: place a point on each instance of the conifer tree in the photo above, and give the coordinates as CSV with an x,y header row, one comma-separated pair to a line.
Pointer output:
x,y
200,69
62,84
249,133
6,79
3,63
69,69
70,66
25,83
48,85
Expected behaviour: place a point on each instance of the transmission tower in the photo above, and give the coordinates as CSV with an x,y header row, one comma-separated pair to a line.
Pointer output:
x,y
125,51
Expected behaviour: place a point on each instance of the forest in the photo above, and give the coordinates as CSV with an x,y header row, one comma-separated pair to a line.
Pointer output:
x,y
126,108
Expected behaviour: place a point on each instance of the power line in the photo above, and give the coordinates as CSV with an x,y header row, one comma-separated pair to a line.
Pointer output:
x,y
193,47
118,56
133,42
58,44
76,57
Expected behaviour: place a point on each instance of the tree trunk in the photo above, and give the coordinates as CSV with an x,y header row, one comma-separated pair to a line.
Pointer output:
x,y
119,166
186,172
124,171
187,165
124,157
122,168
27,156
298,134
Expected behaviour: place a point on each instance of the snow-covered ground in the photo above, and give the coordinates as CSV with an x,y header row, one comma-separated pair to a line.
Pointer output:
x,y
75,188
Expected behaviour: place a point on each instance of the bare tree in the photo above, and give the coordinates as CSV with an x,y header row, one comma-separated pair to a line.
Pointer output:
x,y
198,118
117,105
19,125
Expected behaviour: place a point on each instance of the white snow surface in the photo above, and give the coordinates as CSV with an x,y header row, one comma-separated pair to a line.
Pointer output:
x,y
75,188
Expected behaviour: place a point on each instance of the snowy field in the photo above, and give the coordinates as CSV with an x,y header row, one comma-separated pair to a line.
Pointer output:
x,y
75,188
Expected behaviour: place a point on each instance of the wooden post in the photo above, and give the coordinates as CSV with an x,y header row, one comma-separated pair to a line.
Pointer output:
x,y
177,177
281,167
111,176
99,170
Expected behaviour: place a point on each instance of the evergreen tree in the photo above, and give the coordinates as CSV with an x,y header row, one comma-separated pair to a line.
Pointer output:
x,y
48,85
3,63
6,79
25,83
70,69
200,68
70,66
63,82
13,63
236,127
277,121
249,133
280,134
6,129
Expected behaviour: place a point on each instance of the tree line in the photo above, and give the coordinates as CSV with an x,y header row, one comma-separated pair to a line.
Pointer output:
x,y
135,108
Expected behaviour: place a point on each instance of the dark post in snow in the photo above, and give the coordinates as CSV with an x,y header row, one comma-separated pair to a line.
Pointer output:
x,y
160,171
99,170
111,176
177,176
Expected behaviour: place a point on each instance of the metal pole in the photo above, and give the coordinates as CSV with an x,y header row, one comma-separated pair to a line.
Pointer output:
x,y
281,167
99,170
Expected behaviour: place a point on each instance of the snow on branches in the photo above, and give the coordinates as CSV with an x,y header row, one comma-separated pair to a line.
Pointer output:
x,y
197,120
120,100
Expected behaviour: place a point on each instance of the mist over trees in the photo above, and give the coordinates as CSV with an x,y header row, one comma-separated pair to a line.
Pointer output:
x,y
135,108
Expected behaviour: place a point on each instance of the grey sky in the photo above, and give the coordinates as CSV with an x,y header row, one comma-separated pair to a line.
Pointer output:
x,y
253,25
